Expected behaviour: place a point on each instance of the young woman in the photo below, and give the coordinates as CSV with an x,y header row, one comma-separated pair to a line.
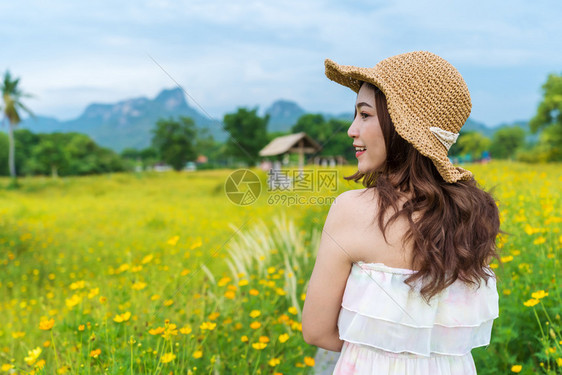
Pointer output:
x,y
401,283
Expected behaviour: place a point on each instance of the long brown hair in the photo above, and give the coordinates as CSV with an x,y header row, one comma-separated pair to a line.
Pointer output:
x,y
455,234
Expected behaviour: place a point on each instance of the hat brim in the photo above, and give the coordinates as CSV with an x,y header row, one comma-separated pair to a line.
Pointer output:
x,y
419,136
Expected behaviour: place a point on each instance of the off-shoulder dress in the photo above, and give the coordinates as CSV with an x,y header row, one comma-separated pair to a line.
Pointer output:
x,y
388,328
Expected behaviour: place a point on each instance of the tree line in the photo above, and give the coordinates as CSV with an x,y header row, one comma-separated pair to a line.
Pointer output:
x,y
177,141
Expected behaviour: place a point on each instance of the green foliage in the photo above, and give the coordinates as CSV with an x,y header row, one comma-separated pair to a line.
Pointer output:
x,y
506,141
549,117
331,134
247,134
473,144
12,96
175,141
63,154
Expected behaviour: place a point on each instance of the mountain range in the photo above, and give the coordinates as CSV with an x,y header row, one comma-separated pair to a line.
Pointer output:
x,y
128,123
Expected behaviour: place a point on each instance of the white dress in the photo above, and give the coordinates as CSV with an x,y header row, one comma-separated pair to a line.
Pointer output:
x,y
388,329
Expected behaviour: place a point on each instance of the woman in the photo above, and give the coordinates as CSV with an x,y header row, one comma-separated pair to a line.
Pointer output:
x,y
401,283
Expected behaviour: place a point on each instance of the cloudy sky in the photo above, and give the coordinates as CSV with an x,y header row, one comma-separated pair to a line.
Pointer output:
x,y
227,54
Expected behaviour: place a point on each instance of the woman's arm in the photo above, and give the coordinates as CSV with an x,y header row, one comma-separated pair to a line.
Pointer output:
x,y
328,279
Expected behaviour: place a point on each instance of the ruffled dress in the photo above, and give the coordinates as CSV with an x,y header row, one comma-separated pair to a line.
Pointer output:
x,y
388,328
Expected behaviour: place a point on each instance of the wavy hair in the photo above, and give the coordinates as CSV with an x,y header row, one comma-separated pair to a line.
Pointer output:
x,y
455,235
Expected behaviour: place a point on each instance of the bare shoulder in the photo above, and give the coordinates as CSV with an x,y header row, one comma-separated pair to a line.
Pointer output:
x,y
353,198
347,218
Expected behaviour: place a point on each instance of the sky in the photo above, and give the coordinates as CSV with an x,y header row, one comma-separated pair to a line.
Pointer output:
x,y
228,54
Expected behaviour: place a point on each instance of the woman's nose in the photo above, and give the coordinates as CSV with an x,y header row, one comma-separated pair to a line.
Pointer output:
x,y
353,130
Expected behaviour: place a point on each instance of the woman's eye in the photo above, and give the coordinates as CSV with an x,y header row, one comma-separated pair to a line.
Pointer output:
x,y
364,115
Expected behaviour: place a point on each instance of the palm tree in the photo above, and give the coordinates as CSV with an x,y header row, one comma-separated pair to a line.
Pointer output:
x,y
12,95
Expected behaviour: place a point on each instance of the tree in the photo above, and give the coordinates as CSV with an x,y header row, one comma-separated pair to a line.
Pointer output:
x,y
12,96
506,142
473,144
331,134
174,141
549,117
48,155
248,134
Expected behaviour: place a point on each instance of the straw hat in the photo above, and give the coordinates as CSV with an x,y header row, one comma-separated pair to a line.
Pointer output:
x,y
428,102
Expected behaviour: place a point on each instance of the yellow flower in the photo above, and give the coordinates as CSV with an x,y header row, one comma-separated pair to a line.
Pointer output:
x,y
168,357
244,338
156,331
196,244
506,259
40,364
170,330
293,310
531,302
73,301
6,367
274,362
264,339
539,241
197,354
208,325
93,292
309,361
95,353
32,356
539,294
139,285
254,292
280,291
303,296
78,285
516,368
506,292
255,325
168,302
185,330
259,345
120,318
243,282
214,316
225,280
173,240
46,325
81,327
559,362
283,338
270,269
17,335
255,313
230,294
147,259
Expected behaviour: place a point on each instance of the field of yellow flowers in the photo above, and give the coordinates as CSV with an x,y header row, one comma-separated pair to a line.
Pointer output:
x,y
162,273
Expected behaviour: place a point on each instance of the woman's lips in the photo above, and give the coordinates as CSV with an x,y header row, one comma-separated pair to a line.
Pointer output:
x,y
359,153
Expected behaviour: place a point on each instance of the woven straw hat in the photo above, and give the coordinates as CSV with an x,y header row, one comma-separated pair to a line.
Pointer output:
x,y
428,102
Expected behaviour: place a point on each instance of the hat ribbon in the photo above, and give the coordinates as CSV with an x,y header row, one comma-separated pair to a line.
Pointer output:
x,y
444,136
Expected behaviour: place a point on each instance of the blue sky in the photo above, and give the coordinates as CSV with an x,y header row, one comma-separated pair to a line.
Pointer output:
x,y
228,54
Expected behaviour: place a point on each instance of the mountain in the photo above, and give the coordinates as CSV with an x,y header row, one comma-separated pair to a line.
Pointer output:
x,y
127,123
283,114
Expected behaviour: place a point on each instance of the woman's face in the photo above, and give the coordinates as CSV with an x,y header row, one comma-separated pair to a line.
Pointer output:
x,y
367,133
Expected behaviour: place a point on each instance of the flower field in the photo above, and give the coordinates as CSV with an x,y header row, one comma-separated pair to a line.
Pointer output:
x,y
161,273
